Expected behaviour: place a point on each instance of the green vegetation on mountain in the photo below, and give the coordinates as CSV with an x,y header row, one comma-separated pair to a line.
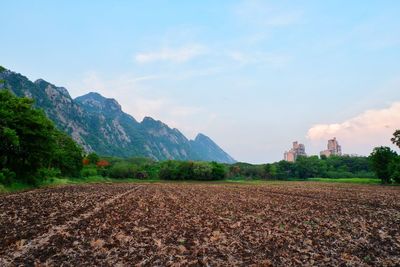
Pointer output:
x,y
99,125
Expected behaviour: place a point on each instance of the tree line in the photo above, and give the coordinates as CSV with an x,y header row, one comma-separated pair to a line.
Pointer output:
x,y
33,149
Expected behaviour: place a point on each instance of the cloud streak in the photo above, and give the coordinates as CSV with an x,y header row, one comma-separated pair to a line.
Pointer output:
x,y
176,55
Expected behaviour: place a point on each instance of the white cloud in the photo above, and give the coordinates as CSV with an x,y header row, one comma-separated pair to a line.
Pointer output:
x,y
177,55
371,128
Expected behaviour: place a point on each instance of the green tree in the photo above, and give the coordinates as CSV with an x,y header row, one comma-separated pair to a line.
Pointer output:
x,y
381,159
93,158
67,155
396,138
30,145
308,167
26,136
394,169
270,171
218,171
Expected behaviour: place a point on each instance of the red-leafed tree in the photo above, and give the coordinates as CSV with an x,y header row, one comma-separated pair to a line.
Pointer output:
x,y
103,163
85,161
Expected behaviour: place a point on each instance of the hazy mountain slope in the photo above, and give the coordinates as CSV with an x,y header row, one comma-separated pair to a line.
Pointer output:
x,y
208,150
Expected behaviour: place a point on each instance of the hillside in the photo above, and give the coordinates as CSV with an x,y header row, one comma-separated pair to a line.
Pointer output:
x,y
100,125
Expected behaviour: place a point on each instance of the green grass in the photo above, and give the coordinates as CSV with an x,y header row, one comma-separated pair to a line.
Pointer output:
x,y
14,187
18,186
347,180
92,179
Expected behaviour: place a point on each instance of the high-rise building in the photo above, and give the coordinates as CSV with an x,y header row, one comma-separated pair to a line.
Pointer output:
x,y
294,152
333,148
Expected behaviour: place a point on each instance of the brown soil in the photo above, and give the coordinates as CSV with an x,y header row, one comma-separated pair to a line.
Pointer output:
x,y
287,224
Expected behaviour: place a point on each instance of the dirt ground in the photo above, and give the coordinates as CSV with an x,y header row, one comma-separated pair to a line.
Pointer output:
x,y
285,224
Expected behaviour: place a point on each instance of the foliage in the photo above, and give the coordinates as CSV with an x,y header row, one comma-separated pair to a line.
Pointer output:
x,y
93,158
88,172
382,158
122,170
29,142
85,162
67,155
6,176
394,169
102,163
305,167
26,136
308,167
190,170
396,138
46,173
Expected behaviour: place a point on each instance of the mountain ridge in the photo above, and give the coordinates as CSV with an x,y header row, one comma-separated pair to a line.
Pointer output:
x,y
100,125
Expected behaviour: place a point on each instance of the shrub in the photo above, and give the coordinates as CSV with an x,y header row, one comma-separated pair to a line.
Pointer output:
x,y
87,172
102,163
188,170
382,160
45,173
202,171
93,158
6,176
85,161
394,169
218,171
122,170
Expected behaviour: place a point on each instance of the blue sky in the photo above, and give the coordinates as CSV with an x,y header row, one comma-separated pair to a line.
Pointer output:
x,y
252,75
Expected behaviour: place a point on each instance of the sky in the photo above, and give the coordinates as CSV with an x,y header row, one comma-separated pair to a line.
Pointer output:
x,y
252,75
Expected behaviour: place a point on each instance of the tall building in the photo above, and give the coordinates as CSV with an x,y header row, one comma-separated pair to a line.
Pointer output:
x,y
333,148
294,152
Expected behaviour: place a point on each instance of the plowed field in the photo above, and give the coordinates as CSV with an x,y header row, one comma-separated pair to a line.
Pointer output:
x,y
285,224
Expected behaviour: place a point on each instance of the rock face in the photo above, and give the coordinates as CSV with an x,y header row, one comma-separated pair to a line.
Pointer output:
x,y
100,125
208,150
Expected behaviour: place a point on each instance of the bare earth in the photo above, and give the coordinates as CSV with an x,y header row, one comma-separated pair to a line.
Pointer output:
x,y
283,224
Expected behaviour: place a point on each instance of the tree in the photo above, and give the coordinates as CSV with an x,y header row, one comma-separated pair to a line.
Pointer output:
x,y
67,155
93,158
270,171
30,145
26,136
381,159
394,169
308,167
396,138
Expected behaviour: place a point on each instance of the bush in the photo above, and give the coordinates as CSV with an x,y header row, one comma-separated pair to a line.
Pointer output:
x,y
122,170
188,170
6,176
394,169
87,172
45,173
218,171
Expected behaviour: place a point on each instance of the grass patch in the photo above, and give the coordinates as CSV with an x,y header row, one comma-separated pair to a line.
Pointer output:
x,y
347,180
14,187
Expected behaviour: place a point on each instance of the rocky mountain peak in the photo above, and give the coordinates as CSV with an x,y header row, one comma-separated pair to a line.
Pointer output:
x,y
44,85
95,101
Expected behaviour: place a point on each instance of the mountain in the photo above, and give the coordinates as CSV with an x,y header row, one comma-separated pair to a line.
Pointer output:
x,y
208,150
99,124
